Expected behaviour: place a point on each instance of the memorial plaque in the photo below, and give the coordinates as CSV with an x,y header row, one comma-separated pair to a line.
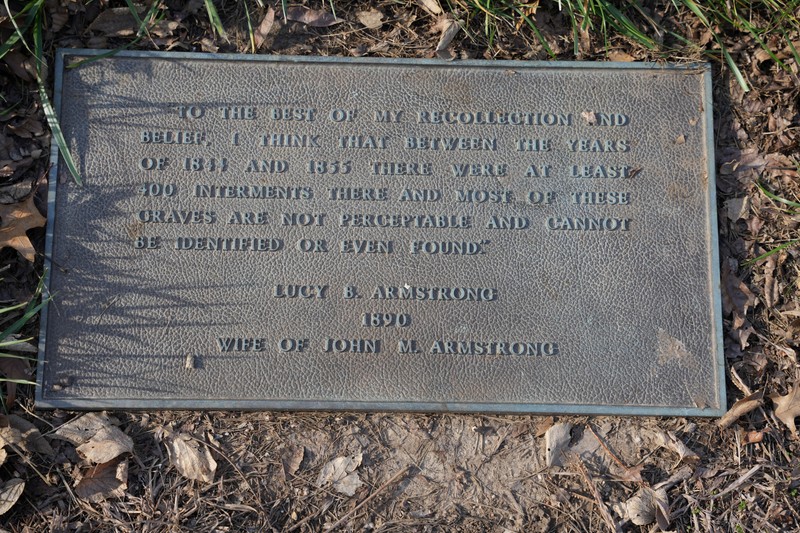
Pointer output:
x,y
315,233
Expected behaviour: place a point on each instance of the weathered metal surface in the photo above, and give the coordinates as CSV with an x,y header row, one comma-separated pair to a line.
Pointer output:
x,y
309,233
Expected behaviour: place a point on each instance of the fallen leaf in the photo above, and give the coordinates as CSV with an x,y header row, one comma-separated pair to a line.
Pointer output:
x,y
260,34
192,459
9,436
79,430
787,408
21,65
312,17
740,408
27,129
449,29
116,22
108,443
15,221
291,462
616,55
555,441
372,19
341,473
771,293
736,296
737,208
3,456
680,139
31,436
104,481
14,368
753,437
432,6
10,491
667,439
632,474
648,506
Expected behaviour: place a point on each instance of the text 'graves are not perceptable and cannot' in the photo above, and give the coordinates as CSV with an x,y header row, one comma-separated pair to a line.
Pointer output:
x,y
303,233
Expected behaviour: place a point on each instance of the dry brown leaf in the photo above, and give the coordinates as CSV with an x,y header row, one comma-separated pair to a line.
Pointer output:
x,y
372,19
31,436
431,6
740,408
190,458
632,474
15,221
79,430
771,292
9,436
737,208
648,506
616,55
57,20
260,34
106,444
668,439
14,368
27,129
312,17
291,462
22,66
10,491
736,296
116,22
104,481
555,441
753,437
341,473
449,29
3,456
787,408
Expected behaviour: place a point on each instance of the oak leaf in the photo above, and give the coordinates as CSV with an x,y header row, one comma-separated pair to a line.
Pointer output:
x,y
15,221
788,407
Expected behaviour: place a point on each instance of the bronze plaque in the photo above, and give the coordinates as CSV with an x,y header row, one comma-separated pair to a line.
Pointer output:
x,y
273,232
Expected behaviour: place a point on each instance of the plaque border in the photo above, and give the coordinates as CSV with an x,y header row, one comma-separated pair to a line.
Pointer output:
x,y
712,235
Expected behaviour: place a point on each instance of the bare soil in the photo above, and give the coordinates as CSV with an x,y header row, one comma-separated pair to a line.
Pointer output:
x,y
437,472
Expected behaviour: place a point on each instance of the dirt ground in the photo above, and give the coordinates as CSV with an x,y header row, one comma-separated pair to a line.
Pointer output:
x,y
267,471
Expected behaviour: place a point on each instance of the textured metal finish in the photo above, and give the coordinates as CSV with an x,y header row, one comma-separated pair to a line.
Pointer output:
x,y
269,233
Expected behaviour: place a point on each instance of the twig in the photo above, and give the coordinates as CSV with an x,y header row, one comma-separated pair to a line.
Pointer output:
x,y
613,526
608,451
369,498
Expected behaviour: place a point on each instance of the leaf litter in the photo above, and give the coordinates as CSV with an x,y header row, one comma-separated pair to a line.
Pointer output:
x,y
190,457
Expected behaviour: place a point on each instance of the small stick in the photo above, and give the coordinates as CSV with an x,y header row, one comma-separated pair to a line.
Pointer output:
x,y
608,451
369,498
598,499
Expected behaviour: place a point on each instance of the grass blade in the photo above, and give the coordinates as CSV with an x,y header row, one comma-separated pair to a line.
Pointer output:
x,y
775,250
213,18
775,197
732,65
